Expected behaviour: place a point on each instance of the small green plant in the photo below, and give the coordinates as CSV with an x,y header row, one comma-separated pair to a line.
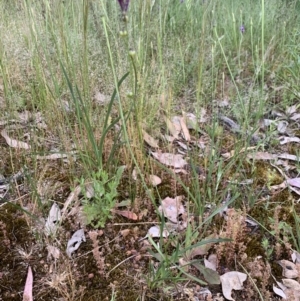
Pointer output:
x,y
267,248
104,192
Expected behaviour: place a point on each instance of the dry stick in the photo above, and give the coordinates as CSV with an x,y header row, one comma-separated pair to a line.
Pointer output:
x,y
130,224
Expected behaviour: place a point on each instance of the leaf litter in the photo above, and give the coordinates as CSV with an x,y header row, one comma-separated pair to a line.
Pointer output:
x,y
173,208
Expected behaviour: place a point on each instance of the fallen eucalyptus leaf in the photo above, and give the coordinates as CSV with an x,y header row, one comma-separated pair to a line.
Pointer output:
x,y
73,244
291,284
289,269
169,159
154,180
27,295
285,140
172,208
173,127
279,292
126,213
232,281
53,220
296,257
282,126
211,262
14,143
294,182
185,131
156,232
151,141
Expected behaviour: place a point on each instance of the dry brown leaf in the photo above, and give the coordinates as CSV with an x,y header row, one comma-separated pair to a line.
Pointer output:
x,y
291,110
285,140
125,232
279,292
150,140
14,143
173,127
155,231
295,117
289,269
296,257
154,180
183,264
211,262
171,208
288,157
291,284
27,295
126,213
73,196
55,156
185,130
232,281
295,182
169,159
282,126
261,156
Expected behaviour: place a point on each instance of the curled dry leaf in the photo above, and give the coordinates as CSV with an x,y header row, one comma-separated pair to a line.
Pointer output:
x,y
74,243
171,208
27,295
150,140
14,143
126,213
154,180
232,281
169,159
211,262
53,220
289,269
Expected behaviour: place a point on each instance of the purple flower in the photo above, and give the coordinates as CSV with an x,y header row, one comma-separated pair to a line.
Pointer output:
x,y
124,5
242,29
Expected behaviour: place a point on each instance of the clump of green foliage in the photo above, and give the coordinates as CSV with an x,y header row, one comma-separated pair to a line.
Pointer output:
x,y
98,208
